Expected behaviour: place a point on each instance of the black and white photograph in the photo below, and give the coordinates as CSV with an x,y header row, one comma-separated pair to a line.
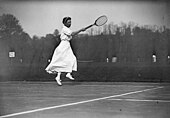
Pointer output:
x,y
84,59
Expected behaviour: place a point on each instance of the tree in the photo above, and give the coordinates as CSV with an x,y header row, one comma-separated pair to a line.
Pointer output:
x,y
56,32
9,24
14,39
11,31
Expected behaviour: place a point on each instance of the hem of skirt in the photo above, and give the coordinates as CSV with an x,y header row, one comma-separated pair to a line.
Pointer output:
x,y
55,72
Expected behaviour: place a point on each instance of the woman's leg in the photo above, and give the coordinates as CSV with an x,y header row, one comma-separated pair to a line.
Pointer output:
x,y
58,79
68,75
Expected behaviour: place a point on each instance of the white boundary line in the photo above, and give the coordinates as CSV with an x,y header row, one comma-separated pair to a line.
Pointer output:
x,y
117,85
139,100
76,103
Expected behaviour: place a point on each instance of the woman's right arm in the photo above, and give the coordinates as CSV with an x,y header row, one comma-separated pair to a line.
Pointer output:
x,y
76,32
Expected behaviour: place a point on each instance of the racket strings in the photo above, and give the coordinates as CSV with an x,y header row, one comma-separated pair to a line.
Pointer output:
x,y
101,20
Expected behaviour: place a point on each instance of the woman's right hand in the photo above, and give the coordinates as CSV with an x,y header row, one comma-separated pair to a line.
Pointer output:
x,y
83,29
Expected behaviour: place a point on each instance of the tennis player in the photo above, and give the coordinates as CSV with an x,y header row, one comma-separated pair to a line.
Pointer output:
x,y
63,59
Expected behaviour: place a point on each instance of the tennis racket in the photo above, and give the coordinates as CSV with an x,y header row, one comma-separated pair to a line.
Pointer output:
x,y
98,22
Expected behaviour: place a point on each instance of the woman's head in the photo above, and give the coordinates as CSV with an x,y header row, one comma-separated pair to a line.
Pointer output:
x,y
67,21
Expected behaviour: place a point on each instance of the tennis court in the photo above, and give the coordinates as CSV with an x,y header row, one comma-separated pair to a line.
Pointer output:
x,y
84,100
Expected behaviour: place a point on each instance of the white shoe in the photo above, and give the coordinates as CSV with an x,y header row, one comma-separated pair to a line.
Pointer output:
x,y
69,76
58,80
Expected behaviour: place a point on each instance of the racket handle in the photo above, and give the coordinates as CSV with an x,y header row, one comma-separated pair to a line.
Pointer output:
x,y
88,26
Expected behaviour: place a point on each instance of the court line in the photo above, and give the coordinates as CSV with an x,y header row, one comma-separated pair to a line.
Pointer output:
x,y
118,85
76,103
139,100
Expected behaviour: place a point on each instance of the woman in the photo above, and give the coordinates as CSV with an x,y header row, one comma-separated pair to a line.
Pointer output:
x,y
63,59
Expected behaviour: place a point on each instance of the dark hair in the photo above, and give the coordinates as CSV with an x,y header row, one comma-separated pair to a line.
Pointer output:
x,y
65,19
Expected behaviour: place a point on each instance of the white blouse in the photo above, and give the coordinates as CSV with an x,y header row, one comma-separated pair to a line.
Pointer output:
x,y
66,34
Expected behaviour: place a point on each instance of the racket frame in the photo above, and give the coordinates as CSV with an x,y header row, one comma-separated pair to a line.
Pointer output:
x,y
95,22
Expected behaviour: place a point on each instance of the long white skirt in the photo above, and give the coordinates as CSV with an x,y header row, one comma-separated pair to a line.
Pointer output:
x,y
63,59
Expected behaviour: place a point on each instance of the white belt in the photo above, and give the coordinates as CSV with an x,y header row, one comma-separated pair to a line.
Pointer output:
x,y
64,40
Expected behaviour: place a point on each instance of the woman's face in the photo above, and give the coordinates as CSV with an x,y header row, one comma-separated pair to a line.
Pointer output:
x,y
68,23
